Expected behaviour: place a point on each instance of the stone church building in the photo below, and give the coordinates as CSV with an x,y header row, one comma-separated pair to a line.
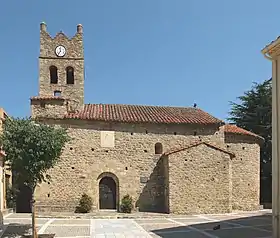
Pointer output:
x,y
169,159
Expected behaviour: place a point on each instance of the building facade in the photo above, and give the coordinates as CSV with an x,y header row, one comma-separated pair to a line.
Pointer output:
x,y
5,172
169,159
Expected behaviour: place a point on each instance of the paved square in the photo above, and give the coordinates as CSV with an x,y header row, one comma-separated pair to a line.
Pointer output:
x,y
242,225
117,228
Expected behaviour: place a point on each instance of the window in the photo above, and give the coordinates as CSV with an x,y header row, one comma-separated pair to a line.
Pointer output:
x,y
43,104
57,93
69,75
158,148
53,75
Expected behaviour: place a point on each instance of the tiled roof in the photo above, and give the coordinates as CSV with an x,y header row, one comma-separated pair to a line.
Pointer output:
x,y
196,143
228,128
47,98
139,114
270,45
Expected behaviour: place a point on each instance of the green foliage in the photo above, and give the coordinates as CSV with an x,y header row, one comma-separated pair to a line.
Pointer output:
x,y
254,113
126,204
85,204
31,149
10,196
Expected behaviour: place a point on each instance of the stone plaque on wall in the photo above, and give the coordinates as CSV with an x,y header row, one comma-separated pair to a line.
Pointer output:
x,y
107,139
143,179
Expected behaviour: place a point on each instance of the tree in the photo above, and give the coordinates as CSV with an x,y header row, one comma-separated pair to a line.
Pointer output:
x,y
254,113
31,150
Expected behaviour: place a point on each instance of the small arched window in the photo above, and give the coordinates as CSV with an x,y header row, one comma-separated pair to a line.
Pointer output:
x,y
53,74
70,75
158,148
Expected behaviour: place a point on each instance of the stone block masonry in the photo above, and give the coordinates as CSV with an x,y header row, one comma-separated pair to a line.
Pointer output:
x,y
199,180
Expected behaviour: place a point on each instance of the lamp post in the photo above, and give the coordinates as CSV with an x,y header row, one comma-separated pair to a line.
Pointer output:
x,y
272,52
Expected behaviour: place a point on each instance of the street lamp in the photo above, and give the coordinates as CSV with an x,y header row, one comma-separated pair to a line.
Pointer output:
x,y
272,53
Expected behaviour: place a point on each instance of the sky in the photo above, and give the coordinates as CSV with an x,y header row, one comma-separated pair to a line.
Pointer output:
x,y
145,52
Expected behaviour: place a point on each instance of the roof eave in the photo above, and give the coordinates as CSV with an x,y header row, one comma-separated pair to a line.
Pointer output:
x,y
260,139
270,46
218,123
47,99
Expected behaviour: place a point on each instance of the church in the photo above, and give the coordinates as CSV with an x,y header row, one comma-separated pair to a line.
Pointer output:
x,y
169,159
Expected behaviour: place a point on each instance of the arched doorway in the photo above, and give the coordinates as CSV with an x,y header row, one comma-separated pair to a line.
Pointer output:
x,y
107,193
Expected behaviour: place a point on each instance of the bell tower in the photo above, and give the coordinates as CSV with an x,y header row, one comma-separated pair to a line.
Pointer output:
x,y
61,73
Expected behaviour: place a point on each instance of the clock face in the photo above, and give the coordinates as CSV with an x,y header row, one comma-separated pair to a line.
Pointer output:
x,y
60,51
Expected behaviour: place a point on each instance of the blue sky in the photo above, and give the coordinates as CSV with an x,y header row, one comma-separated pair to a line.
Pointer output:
x,y
151,52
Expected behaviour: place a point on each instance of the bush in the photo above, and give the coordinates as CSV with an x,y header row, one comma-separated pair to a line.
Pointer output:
x,y
126,204
85,204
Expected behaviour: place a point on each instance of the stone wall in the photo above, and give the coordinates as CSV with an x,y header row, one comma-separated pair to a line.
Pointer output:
x,y
74,45
132,158
73,91
48,108
155,182
245,171
152,196
200,181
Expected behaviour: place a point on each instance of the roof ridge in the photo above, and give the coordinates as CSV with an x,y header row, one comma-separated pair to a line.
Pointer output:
x,y
141,105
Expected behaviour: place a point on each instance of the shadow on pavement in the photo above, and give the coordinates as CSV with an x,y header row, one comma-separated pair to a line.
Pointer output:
x,y
244,227
16,230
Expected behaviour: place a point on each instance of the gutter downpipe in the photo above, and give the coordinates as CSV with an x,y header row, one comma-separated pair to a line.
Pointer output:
x,y
275,147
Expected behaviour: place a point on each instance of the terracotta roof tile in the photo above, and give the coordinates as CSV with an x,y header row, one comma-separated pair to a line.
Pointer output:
x,y
47,98
139,114
229,128
196,143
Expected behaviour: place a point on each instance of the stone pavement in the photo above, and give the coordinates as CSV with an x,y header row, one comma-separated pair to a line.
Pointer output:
x,y
116,228
241,225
